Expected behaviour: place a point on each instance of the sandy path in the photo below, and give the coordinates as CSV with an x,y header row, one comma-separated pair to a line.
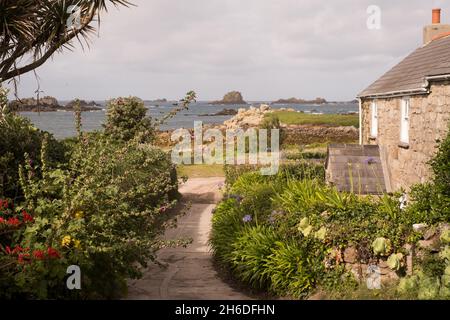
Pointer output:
x,y
190,273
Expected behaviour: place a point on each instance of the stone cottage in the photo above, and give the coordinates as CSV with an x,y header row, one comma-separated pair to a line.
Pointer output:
x,y
402,117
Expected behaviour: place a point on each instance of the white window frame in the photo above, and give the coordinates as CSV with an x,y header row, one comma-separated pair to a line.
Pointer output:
x,y
405,115
374,119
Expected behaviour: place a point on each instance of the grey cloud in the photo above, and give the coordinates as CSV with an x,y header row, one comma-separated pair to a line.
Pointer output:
x,y
268,49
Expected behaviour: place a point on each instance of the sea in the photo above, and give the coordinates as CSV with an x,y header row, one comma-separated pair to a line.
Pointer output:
x,y
61,123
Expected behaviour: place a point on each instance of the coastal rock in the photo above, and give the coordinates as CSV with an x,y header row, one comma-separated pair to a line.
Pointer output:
x,y
84,106
246,118
46,104
224,112
233,97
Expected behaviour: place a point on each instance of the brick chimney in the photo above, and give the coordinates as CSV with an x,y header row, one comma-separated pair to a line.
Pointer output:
x,y
435,30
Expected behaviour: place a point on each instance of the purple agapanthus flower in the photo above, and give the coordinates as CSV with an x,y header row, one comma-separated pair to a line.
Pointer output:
x,y
247,218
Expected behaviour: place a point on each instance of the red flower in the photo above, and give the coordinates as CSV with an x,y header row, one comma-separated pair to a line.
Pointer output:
x,y
39,254
8,250
53,253
27,217
13,222
17,249
2,220
23,257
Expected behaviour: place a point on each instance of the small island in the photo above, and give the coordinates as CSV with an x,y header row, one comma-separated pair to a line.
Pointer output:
x,y
233,97
49,104
224,112
84,106
45,104
300,101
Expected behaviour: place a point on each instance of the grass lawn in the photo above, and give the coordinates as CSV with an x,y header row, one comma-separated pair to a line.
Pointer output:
x,y
333,120
201,171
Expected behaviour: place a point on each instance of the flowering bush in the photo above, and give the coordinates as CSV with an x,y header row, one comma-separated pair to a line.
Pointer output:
x,y
103,213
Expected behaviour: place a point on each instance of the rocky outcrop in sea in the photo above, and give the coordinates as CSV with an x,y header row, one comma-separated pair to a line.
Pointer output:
x,y
45,104
233,97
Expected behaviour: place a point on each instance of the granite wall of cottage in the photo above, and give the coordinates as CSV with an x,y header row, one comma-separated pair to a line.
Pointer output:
x,y
429,123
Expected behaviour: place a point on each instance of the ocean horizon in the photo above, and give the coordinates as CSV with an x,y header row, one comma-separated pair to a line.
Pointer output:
x,y
61,123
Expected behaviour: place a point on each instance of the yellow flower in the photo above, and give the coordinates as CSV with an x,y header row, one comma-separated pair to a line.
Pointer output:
x,y
77,244
65,242
79,215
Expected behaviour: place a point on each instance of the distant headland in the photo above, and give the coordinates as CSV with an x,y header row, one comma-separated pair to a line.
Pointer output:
x,y
300,101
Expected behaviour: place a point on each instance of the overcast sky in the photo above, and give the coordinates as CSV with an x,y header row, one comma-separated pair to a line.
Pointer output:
x,y
267,49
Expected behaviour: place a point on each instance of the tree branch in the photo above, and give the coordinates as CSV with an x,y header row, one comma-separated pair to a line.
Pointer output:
x,y
6,75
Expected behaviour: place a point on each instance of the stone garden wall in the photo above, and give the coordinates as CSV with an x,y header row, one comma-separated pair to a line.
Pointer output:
x,y
362,265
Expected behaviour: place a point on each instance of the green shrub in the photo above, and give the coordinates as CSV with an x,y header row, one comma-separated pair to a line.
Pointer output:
x,y
227,224
102,213
17,138
270,123
431,201
126,119
295,171
250,252
294,267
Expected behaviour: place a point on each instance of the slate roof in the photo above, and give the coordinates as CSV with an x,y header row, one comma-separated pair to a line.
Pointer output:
x,y
410,74
355,168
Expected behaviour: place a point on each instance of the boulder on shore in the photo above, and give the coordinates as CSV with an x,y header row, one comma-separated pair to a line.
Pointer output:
x,y
251,117
233,97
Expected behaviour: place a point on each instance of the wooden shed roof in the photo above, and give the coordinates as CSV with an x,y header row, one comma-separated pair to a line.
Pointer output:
x,y
355,168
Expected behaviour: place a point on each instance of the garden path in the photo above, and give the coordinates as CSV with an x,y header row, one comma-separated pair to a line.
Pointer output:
x,y
190,274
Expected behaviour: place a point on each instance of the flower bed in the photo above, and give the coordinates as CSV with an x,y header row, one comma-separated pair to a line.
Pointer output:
x,y
293,236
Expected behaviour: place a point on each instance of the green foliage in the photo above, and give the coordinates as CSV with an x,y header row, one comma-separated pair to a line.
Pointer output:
x,y
395,261
32,31
108,204
226,226
294,267
17,138
441,168
431,201
126,119
381,246
250,251
270,123
294,171
297,118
